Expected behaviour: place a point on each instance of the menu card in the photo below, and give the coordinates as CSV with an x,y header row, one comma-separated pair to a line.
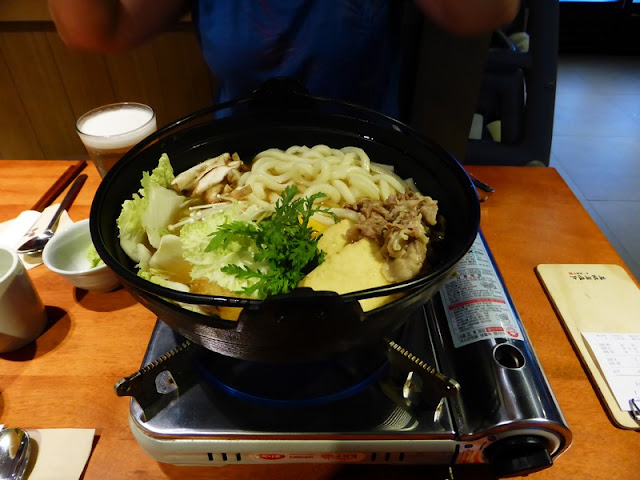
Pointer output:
x,y
599,306
618,357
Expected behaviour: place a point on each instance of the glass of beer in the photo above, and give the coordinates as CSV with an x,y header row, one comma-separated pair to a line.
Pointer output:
x,y
108,132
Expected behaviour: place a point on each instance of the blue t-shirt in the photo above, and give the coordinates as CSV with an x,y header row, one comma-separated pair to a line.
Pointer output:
x,y
344,49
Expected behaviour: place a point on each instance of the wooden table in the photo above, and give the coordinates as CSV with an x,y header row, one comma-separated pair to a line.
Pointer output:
x,y
66,378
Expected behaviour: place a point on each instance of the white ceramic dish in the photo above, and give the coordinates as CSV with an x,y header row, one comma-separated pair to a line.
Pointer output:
x,y
66,255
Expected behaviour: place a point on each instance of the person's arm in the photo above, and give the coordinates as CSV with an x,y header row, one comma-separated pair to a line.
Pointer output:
x,y
470,16
113,25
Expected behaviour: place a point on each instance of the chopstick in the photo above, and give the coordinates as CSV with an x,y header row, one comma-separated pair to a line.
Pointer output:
x,y
59,185
480,184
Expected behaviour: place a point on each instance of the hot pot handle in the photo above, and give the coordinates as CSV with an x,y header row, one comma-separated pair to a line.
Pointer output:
x,y
280,94
322,314
286,93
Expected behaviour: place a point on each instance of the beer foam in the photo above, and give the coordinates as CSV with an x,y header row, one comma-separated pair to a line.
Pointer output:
x,y
116,127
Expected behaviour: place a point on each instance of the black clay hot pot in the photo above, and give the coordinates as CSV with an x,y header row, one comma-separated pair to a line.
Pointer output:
x,y
303,325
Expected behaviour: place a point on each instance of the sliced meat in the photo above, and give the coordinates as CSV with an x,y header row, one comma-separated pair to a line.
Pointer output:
x,y
407,265
401,226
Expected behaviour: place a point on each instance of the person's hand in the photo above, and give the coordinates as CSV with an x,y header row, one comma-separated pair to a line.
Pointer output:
x,y
467,17
113,25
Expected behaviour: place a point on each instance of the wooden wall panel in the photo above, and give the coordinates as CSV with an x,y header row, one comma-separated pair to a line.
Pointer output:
x,y
85,76
24,11
36,76
17,137
44,86
183,73
135,78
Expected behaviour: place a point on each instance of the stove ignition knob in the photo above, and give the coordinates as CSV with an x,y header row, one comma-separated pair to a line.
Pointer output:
x,y
519,455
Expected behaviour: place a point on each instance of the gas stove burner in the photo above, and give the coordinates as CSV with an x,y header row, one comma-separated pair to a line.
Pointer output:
x,y
293,385
396,403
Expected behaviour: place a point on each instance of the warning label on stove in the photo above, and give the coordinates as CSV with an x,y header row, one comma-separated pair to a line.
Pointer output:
x,y
330,457
475,301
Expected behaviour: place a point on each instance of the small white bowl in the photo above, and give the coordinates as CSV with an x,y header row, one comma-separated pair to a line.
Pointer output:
x,y
66,255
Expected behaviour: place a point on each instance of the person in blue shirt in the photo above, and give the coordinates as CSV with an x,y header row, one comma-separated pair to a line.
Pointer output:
x,y
345,49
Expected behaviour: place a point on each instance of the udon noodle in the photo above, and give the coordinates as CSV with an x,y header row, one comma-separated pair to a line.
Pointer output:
x,y
344,175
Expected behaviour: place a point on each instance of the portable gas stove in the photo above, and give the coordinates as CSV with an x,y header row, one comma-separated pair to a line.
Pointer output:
x,y
460,384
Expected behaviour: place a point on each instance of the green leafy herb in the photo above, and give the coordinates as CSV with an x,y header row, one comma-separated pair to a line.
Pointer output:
x,y
285,242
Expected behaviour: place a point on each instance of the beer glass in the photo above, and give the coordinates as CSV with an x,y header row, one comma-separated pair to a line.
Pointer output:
x,y
108,132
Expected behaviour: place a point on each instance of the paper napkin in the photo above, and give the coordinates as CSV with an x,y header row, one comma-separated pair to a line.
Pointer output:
x,y
60,453
12,231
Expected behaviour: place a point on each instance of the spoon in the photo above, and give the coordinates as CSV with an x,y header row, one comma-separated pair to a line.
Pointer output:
x,y
36,244
15,448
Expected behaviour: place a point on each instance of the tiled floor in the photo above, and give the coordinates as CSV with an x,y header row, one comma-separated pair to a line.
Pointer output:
x,y
596,144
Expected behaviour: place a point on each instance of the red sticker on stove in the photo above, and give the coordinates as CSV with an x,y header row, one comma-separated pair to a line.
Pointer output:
x,y
271,456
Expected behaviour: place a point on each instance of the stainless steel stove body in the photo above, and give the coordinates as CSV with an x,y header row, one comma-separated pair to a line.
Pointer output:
x,y
460,384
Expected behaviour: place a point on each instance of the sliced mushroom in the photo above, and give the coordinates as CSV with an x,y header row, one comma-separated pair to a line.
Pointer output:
x,y
211,195
187,179
210,179
241,192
